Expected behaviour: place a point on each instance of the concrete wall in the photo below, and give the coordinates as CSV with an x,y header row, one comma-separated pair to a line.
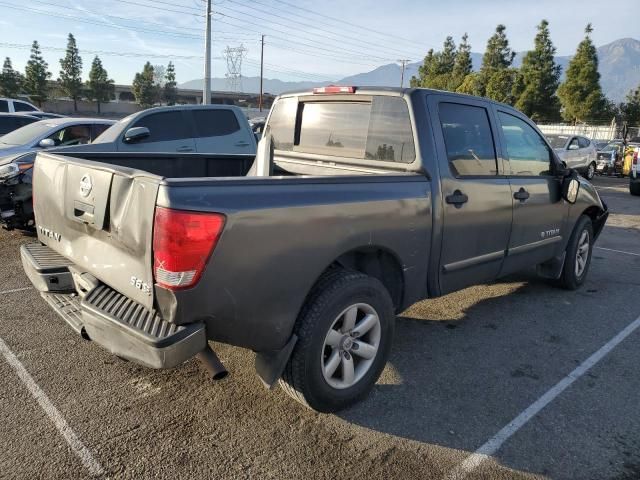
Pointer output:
x,y
109,110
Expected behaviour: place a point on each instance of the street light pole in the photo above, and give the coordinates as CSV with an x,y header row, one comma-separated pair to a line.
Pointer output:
x,y
261,70
206,90
403,64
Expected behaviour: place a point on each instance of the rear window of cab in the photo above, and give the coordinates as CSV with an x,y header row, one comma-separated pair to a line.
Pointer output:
x,y
375,128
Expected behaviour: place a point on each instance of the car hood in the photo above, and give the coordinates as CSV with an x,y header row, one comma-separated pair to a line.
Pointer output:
x,y
9,151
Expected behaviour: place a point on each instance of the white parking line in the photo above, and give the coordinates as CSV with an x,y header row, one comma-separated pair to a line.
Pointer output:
x,y
52,412
15,290
483,453
618,251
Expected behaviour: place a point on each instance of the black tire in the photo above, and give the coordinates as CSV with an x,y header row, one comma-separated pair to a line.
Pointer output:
x,y
569,278
303,377
590,172
634,188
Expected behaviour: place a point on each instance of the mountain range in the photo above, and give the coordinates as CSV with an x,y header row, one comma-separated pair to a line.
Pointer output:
x,y
619,66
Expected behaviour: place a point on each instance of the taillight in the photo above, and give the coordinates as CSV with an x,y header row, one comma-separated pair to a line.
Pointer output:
x,y
182,244
635,157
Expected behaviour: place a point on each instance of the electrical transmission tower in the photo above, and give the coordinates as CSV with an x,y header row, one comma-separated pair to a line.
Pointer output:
x,y
234,56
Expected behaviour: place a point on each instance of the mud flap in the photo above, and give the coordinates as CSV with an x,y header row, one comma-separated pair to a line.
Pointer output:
x,y
552,269
270,364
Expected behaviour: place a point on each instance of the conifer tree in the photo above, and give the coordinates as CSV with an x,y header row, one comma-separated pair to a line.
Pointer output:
x,y
71,72
37,76
100,87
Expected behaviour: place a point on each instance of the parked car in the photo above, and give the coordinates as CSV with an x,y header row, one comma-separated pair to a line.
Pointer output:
x,y
45,115
11,105
257,126
183,128
50,133
634,175
609,158
577,152
360,202
12,121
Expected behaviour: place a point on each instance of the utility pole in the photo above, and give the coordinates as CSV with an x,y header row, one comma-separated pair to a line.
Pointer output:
x,y
261,69
206,90
403,64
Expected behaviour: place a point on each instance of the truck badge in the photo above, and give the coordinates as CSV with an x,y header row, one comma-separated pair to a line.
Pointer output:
x,y
86,185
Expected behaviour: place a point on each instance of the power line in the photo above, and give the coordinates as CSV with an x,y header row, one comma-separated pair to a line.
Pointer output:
x,y
131,2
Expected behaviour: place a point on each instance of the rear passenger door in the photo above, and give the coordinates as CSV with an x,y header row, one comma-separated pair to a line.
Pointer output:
x,y
476,194
539,212
219,131
170,131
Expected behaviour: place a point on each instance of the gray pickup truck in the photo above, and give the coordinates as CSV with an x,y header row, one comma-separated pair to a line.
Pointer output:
x,y
372,200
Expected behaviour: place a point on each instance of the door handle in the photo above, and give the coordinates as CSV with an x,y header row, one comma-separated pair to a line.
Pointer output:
x,y
242,144
184,149
521,195
457,198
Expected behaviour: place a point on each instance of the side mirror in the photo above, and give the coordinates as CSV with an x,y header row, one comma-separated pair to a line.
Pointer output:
x,y
136,134
570,188
46,143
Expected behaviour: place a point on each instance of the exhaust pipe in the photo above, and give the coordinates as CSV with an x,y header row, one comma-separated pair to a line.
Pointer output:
x,y
212,363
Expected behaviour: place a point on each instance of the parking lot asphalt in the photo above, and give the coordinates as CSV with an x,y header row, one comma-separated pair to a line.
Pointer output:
x,y
462,368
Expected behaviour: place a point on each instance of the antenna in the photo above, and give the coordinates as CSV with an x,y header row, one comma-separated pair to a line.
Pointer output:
x,y
234,56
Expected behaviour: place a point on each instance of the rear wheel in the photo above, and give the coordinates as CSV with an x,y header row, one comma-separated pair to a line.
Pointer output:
x,y
345,331
591,171
578,255
634,188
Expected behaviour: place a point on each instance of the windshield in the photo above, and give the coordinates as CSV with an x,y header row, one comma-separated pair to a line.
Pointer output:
x,y
611,147
27,134
112,133
557,141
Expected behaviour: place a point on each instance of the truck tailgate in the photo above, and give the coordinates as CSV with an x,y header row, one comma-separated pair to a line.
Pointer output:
x,y
100,217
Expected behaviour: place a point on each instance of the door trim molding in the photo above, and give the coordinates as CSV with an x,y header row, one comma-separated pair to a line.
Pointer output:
x,y
470,262
532,246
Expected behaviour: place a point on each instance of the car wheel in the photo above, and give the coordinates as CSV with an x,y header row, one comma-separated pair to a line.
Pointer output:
x,y
634,188
345,331
591,171
578,255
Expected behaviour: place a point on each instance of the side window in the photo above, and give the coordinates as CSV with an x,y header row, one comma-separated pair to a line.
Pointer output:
x,y
583,142
215,123
528,153
97,130
164,127
4,106
8,124
468,139
574,144
74,135
390,136
22,107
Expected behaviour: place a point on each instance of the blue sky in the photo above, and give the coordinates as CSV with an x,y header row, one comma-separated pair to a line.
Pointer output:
x,y
301,43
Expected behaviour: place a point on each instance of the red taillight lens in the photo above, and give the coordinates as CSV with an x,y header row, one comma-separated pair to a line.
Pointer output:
x,y
635,158
334,89
182,244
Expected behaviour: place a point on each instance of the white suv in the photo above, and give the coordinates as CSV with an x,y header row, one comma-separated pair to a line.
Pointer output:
x,y
10,105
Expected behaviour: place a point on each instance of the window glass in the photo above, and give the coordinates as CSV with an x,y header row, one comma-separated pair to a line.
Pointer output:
x,y
98,128
332,128
28,133
574,144
527,151
558,141
390,137
74,135
282,123
215,123
8,124
583,142
164,127
22,107
468,139
4,106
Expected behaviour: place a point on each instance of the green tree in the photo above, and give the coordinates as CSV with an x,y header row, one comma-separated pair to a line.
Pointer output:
x,y
10,80
471,84
540,79
170,89
437,68
580,94
37,76
630,110
497,56
503,85
144,89
71,72
424,71
100,88
463,65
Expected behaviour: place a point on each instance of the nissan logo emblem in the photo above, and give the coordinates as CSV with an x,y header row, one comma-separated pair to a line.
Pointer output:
x,y
86,185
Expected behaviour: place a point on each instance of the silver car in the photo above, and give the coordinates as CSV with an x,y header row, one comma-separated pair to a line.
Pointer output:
x,y
53,132
577,152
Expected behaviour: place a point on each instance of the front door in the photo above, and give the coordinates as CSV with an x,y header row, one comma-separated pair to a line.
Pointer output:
x,y
170,131
539,212
476,195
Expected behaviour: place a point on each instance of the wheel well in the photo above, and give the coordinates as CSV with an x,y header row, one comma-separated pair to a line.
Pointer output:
x,y
377,263
592,212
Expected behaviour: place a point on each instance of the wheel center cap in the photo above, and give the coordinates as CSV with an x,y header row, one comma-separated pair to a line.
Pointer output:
x,y
346,342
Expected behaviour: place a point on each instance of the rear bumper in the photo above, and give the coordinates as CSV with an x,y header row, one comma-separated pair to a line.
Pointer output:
x,y
117,323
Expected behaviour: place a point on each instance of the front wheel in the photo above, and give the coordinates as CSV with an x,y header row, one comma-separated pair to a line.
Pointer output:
x,y
578,255
634,188
345,331
591,171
